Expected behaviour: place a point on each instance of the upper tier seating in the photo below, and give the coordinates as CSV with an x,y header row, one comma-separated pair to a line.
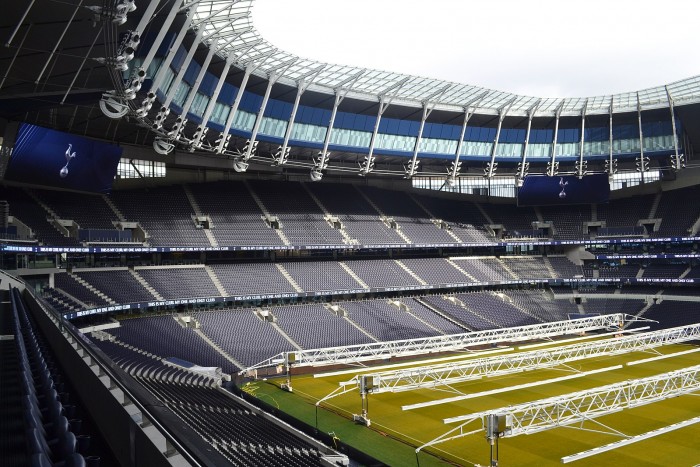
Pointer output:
x,y
385,321
302,219
360,220
313,326
415,223
180,282
236,218
88,210
164,337
33,215
251,279
321,276
381,273
678,211
165,213
119,285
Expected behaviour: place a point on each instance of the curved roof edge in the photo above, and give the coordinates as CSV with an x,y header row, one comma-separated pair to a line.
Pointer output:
x,y
228,26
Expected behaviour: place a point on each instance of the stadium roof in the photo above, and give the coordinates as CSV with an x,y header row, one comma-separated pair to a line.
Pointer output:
x,y
228,26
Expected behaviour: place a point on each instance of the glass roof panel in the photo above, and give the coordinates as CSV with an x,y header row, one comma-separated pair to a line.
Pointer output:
x,y
231,22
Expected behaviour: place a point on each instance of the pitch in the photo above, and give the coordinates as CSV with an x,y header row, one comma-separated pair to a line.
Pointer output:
x,y
396,430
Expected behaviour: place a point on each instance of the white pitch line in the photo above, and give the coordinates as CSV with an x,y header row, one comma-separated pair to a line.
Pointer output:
x,y
661,357
366,369
509,388
632,440
583,338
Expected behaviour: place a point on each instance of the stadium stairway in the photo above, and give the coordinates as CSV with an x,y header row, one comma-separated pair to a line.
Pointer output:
x,y
285,335
289,278
344,233
549,267
460,269
114,208
360,328
408,270
217,283
408,310
382,216
353,275
442,314
216,347
91,288
265,212
146,285
508,270
433,217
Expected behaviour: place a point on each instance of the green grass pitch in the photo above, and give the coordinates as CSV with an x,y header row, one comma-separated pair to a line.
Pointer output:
x,y
394,433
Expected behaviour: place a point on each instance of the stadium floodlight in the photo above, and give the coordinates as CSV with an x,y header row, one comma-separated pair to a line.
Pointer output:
x,y
226,138
117,63
146,105
678,162
160,118
163,146
367,165
642,163
453,173
113,106
411,169
247,146
126,6
280,157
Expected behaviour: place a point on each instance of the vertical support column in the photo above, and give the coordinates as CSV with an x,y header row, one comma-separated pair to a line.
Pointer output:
x,y
183,68
250,147
493,165
302,85
164,28
678,161
19,24
321,162
327,139
14,57
197,142
524,164
453,171
612,163
168,59
147,15
58,42
642,166
412,167
553,164
428,107
223,140
368,164
195,86
581,166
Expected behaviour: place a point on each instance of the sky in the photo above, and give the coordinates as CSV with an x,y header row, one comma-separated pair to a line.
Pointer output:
x,y
542,48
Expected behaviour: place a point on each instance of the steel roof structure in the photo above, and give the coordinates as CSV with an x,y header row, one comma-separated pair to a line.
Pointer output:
x,y
229,25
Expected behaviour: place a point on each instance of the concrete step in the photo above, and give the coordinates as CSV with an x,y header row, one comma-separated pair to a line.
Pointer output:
x,y
148,286
353,275
215,279
408,270
289,278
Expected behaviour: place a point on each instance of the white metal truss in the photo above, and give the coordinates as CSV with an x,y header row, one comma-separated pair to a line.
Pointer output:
x,y
578,407
236,15
455,372
357,354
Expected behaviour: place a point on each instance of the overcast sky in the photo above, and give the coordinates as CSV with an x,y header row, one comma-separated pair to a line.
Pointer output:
x,y
542,48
